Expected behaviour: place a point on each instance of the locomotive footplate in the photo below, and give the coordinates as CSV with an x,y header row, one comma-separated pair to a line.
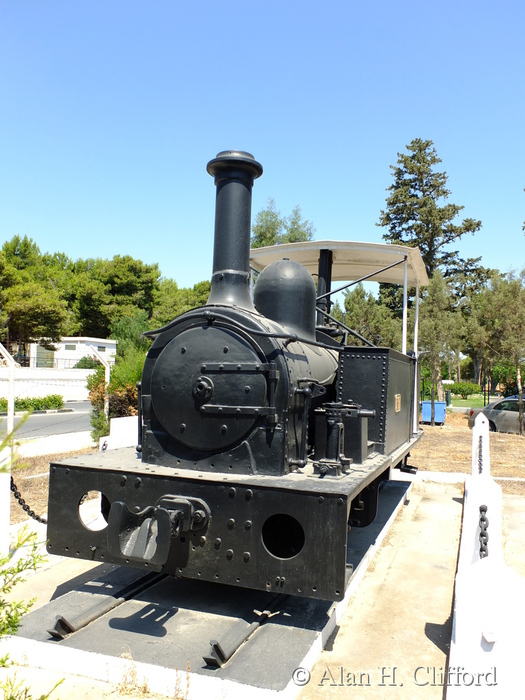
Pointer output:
x,y
279,534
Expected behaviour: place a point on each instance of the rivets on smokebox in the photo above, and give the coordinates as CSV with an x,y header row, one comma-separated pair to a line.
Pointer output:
x,y
224,429
229,554
231,493
248,495
247,525
231,523
246,556
123,480
218,542
182,427
138,482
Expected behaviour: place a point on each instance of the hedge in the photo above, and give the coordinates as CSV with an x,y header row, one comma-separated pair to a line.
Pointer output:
x,y
41,403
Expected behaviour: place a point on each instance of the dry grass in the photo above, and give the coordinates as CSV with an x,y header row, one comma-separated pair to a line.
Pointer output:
x,y
448,448
130,684
31,476
133,686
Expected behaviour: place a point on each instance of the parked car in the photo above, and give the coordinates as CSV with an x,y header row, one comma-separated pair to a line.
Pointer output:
x,y
502,415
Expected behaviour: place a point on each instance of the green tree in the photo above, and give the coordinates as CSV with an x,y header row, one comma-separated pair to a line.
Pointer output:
x,y
477,340
171,301
22,253
32,305
131,282
417,212
372,320
437,327
89,303
33,312
104,291
270,228
505,313
297,229
129,330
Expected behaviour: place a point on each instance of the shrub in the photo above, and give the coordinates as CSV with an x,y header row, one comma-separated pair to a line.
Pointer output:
x,y
123,394
42,403
464,389
127,370
11,574
100,424
12,571
87,362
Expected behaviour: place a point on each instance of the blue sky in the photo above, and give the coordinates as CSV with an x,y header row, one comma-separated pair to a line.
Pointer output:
x,y
109,112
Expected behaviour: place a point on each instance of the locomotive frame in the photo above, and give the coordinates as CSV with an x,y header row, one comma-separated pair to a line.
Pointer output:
x,y
262,438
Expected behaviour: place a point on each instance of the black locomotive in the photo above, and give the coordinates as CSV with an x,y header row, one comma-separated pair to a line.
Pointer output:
x,y
262,438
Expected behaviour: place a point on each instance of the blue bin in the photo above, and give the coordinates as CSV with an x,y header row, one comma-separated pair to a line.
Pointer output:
x,y
440,411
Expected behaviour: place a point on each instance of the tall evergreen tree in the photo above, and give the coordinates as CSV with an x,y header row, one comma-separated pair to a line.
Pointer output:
x,y
417,212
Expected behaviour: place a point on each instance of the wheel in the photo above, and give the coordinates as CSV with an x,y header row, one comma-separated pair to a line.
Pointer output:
x,y
492,427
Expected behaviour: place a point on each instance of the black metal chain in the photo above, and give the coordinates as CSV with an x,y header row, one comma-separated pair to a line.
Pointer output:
x,y
18,496
480,455
483,534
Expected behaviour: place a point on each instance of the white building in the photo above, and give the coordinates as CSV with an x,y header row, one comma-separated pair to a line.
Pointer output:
x,y
69,351
53,371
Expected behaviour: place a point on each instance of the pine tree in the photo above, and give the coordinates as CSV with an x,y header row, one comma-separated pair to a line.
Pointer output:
x,y
417,211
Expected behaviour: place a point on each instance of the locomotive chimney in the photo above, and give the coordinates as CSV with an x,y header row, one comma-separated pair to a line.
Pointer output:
x,y
234,173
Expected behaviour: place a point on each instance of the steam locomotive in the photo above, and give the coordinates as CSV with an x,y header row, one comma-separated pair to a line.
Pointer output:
x,y
262,438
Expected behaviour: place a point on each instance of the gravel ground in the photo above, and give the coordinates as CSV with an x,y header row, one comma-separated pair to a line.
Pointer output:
x,y
448,448
31,476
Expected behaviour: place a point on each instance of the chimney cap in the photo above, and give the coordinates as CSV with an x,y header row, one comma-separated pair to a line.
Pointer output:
x,y
241,162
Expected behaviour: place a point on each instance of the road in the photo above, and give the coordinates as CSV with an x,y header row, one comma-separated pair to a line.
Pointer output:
x,y
43,424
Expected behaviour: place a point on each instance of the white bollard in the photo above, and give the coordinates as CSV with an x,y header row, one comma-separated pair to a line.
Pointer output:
x,y
489,616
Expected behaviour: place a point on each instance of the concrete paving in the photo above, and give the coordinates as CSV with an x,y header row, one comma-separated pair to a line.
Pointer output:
x,y
393,639
400,617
